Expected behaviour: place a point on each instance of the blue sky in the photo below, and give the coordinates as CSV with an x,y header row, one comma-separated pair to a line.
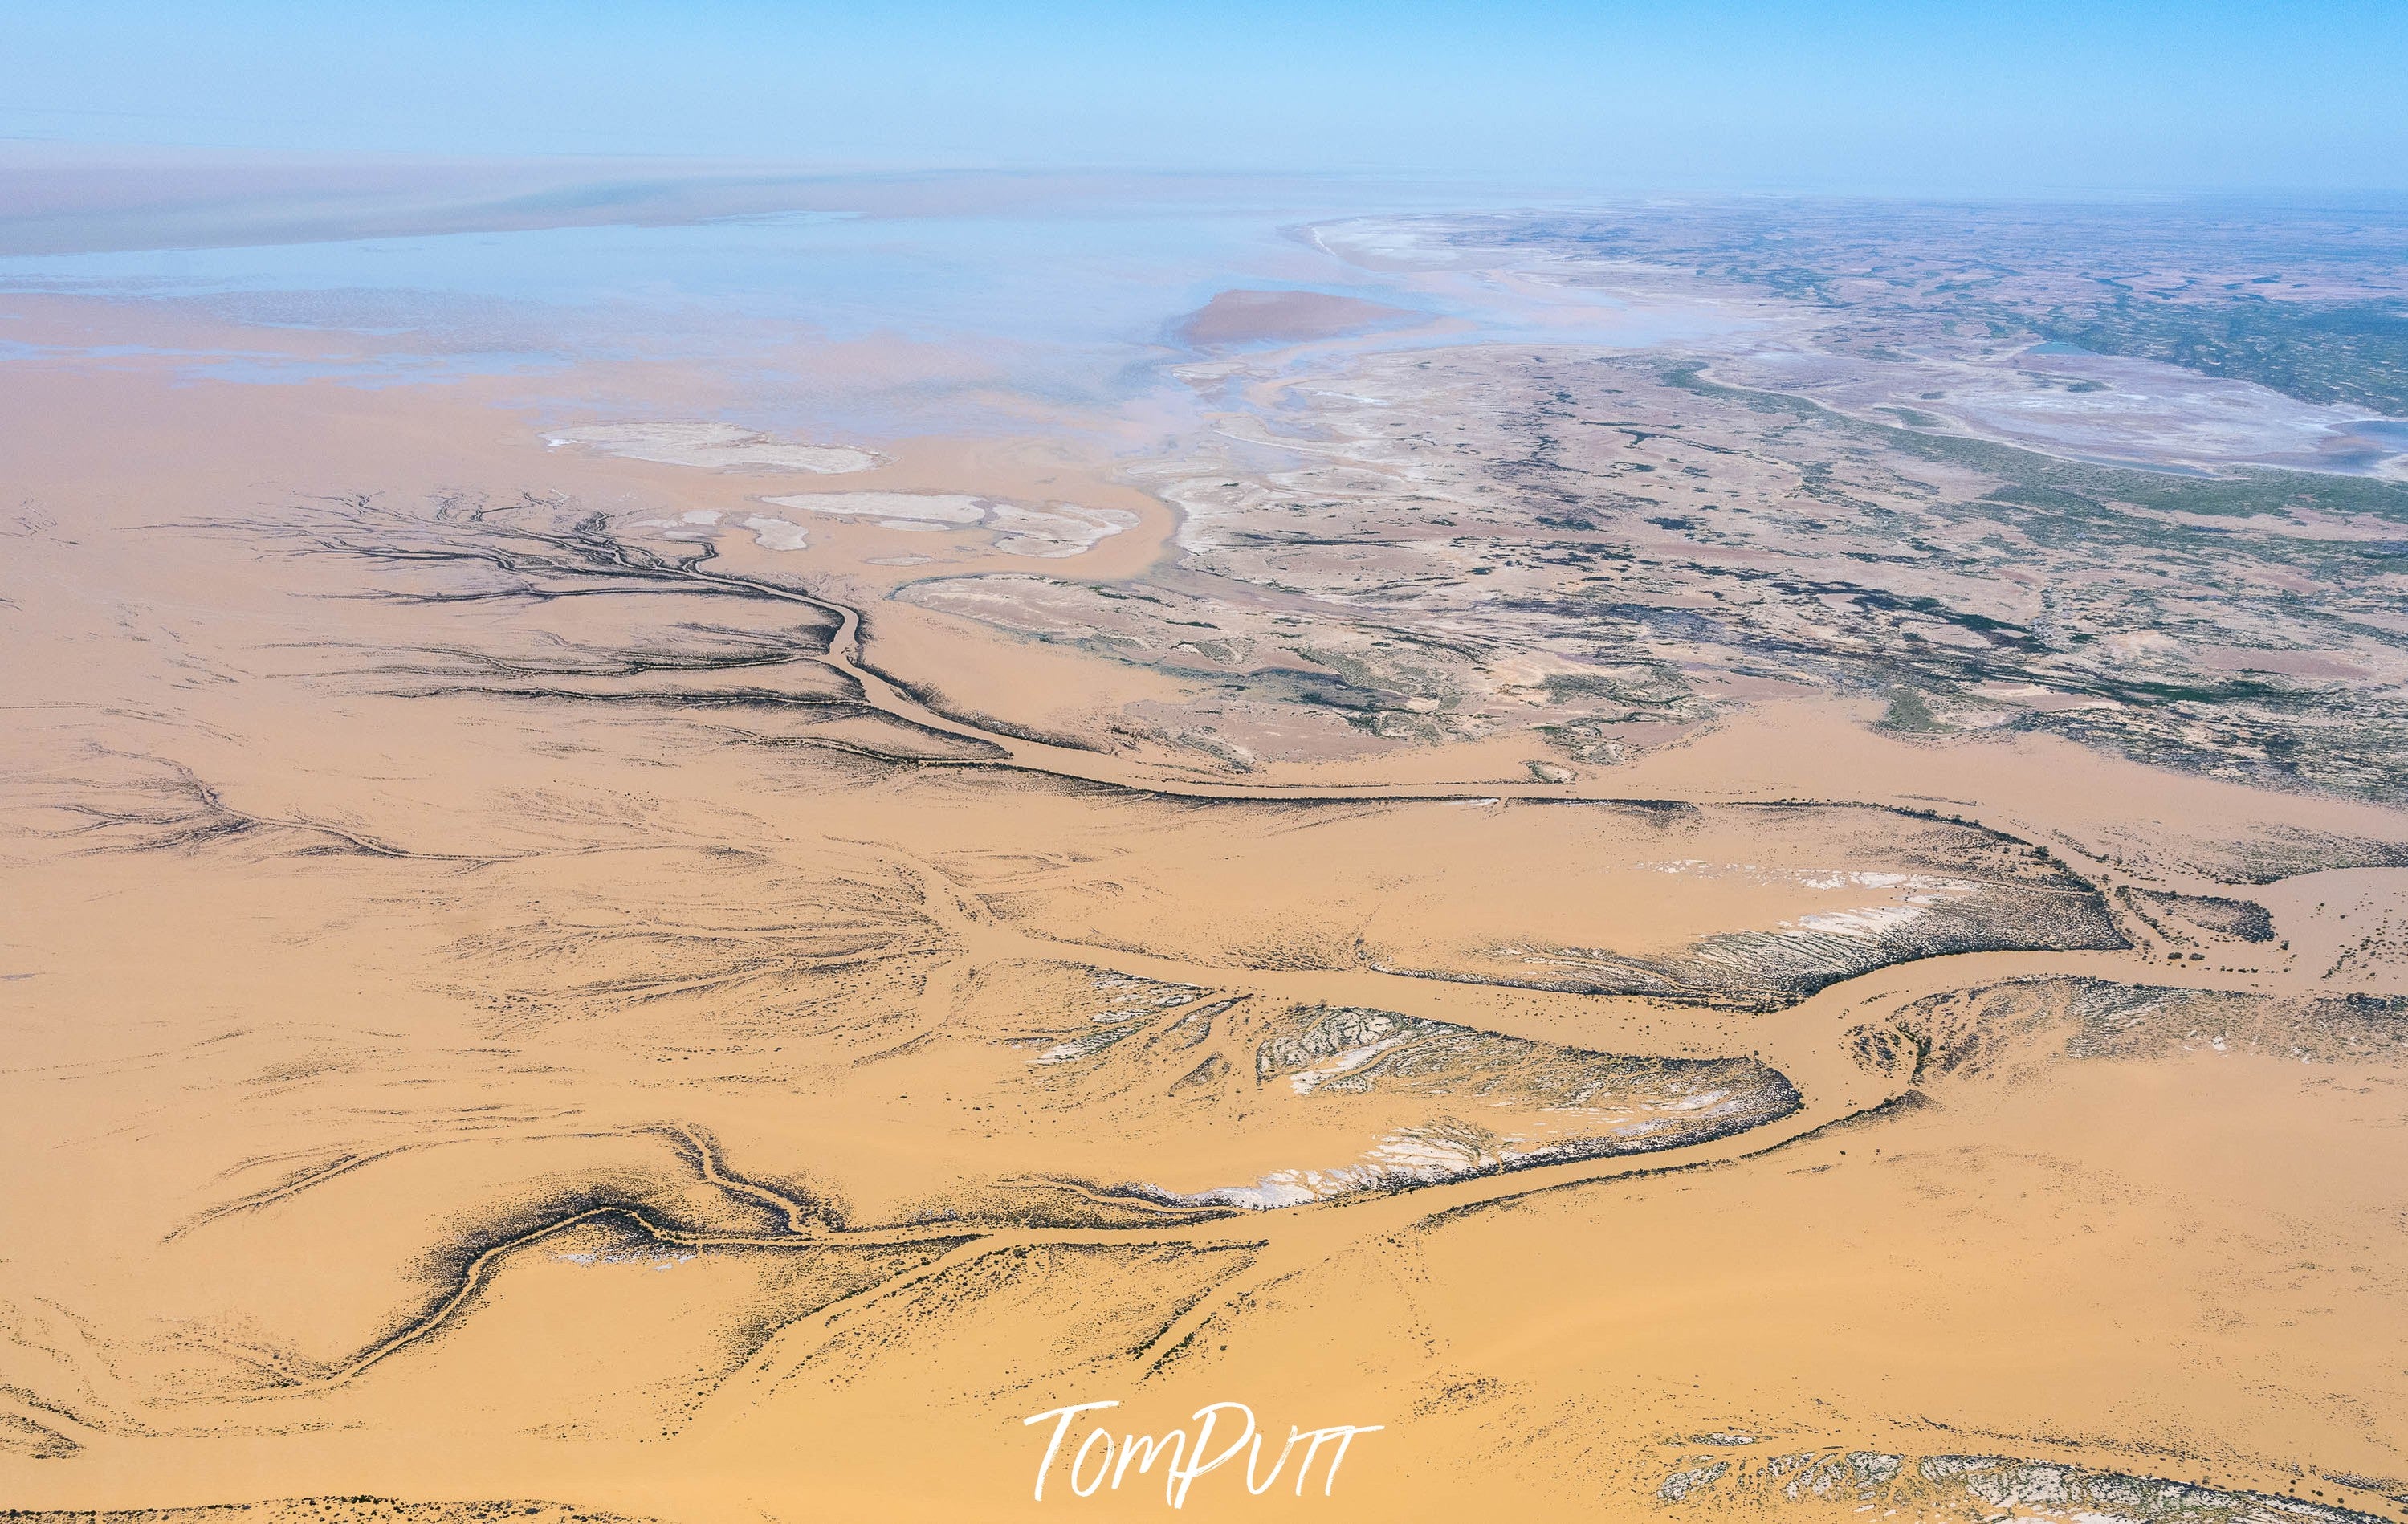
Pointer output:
x,y
1881,97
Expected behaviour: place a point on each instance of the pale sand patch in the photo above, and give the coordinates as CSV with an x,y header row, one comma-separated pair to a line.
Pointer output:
x,y
1065,531
776,534
932,507
721,447
702,525
1054,532
695,525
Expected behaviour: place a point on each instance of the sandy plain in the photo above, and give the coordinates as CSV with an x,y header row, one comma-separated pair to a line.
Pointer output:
x,y
532,993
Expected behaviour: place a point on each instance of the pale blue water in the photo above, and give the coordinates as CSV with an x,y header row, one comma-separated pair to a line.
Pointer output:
x,y
1048,278
975,318
1073,309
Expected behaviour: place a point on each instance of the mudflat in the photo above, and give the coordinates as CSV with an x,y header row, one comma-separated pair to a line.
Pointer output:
x,y
1539,892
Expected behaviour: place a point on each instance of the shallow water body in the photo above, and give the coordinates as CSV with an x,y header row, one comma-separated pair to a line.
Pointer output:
x,y
942,322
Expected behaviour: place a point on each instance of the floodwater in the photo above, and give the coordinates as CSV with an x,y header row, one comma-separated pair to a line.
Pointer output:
x,y
973,319
569,960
